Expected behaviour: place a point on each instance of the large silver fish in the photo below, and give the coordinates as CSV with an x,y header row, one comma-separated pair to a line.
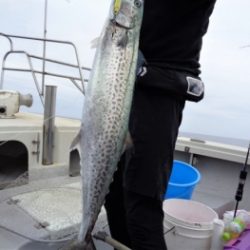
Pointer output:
x,y
106,108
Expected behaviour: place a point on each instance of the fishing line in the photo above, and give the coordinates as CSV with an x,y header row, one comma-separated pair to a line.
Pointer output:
x,y
242,180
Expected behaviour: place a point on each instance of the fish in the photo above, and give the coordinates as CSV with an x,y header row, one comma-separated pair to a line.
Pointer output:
x,y
106,109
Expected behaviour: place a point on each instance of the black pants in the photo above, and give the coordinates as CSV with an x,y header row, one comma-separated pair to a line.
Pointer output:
x,y
134,204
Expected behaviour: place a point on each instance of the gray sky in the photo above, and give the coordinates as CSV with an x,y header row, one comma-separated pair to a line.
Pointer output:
x,y
225,111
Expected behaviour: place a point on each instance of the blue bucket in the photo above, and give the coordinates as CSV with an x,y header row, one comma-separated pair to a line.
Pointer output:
x,y
183,180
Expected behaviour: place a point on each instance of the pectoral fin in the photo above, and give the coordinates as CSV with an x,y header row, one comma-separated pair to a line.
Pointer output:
x,y
123,41
95,42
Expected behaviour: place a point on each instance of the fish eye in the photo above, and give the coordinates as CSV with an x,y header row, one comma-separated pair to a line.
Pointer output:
x,y
138,3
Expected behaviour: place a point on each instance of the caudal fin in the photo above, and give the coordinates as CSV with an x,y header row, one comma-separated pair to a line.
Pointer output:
x,y
76,245
90,245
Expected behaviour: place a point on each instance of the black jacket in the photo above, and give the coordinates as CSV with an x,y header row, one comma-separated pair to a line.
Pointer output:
x,y
172,31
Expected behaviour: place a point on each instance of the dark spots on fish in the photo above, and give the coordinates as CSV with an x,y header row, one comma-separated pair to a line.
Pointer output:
x,y
108,148
110,141
96,191
96,197
101,178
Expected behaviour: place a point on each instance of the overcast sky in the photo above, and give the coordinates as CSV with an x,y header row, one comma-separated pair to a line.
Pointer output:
x,y
225,57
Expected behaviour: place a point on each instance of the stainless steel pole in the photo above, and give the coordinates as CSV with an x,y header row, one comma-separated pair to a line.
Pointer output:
x,y
44,43
49,125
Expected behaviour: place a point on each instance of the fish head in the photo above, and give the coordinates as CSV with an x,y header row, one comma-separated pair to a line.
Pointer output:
x,y
125,13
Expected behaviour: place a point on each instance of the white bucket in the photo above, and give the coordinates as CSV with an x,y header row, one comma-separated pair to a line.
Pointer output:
x,y
188,224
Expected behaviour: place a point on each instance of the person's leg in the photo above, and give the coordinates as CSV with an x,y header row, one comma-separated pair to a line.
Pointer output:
x,y
154,124
114,205
145,217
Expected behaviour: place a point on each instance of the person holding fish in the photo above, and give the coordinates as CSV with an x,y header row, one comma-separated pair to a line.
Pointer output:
x,y
168,75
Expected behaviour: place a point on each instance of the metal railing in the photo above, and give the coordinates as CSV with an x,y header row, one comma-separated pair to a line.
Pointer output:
x,y
40,87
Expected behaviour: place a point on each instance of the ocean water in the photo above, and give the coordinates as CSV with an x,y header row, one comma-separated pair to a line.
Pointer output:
x,y
219,139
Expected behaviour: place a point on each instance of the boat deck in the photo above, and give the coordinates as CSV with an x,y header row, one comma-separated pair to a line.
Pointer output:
x,y
52,207
47,209
48,204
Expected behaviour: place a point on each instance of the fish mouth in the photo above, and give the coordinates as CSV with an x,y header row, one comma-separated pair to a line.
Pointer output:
x,y
123,21
122,24
123,16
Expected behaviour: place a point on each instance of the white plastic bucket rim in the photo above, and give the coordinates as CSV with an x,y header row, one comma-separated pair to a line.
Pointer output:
x,y
188,224
202,223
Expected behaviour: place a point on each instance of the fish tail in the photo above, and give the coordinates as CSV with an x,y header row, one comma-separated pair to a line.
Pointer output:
x,y
87,244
